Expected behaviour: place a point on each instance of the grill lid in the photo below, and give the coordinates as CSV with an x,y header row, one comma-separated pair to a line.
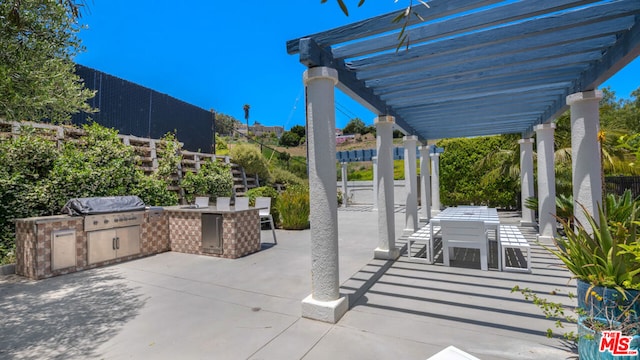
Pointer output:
x,y
101,205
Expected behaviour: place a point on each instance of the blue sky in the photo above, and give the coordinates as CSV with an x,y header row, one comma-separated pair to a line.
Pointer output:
x,y
224,54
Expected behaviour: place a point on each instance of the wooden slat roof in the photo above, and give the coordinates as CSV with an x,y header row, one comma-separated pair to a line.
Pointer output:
x,y
478,67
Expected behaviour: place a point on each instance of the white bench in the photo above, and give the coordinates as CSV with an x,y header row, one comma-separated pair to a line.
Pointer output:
x,y
422,237
512,238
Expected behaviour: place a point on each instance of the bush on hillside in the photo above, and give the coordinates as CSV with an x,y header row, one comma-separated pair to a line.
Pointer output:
x,y
213,179
282,176
294,208
250,158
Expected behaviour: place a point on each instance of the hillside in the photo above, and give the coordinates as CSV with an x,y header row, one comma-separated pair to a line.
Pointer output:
x,y
355,145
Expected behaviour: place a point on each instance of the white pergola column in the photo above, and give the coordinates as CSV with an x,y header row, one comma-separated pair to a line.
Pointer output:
x,y
425,183
386,213
410,183
526,180
345,195
585,153
324,303
435,183
546,183
374,160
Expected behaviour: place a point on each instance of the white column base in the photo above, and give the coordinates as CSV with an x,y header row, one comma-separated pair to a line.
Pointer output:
x,y
383,254
527,223
326,311
410,230
546,240
434,212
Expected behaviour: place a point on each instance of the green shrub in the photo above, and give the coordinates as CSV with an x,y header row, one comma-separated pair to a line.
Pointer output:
x,y
154,191
25,162
294,208
298,166
221,144
594,253
99,165
213,179
282,176
250,158
169,157
266,191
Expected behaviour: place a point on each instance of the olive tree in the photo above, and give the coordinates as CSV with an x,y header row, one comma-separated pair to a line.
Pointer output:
x,y
37,75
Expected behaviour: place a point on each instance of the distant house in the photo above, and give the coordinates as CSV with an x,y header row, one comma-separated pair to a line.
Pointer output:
x,y
136,110
344,138
258,129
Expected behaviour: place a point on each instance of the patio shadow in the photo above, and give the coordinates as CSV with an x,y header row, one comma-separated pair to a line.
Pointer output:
x,y
65,317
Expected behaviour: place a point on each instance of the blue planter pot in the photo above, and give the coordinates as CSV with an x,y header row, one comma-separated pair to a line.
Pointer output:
x,y
589,345
607,302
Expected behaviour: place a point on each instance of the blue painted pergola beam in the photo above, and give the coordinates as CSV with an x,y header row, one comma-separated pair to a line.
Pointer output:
x,y
482,97
536,77
571,61
487,93
522,99
312,55
485,71
384,23
513,33
487,17
469,60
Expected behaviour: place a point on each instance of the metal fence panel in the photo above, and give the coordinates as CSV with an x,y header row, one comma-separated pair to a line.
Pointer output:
x,y
136,110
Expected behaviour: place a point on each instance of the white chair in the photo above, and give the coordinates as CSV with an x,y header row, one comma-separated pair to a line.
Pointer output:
x,y
222,203
242,203
264,204
202,201
464,234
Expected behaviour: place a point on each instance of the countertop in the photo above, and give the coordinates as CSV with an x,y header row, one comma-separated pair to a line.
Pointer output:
x,y
207,210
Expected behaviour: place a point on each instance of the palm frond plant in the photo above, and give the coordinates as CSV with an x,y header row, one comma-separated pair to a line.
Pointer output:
x,y
604,256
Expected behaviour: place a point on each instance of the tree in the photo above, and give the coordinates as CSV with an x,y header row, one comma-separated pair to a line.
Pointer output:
x,y
246,108
37,75
225,124
355,126
289,138
299,130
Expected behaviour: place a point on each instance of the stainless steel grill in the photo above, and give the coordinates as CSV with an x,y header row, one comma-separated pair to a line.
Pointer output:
x,y
112,225
112,220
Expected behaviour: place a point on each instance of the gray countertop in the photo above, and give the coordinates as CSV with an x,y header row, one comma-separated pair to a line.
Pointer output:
x,y
206,210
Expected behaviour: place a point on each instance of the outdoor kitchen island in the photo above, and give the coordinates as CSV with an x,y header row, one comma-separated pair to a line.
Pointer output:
x,y
49,246
210,231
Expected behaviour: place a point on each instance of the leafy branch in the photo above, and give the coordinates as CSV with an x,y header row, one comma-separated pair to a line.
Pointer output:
x,y
404,17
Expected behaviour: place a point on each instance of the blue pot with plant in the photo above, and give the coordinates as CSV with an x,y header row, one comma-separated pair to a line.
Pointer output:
x,y
604,256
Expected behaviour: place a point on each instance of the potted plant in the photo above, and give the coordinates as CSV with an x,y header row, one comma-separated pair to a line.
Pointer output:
x,y
604,257
213,179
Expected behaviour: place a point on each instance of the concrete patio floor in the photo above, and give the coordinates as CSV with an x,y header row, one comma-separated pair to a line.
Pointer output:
x,y
179,306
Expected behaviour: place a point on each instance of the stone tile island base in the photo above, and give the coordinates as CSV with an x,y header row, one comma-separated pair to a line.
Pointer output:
x,y
42,240
36,244
240,234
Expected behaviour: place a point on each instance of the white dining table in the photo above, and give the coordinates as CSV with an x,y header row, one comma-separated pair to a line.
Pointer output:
x,y
468,213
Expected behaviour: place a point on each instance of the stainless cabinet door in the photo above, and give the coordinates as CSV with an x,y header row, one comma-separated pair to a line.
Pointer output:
x,y
100,245
128,241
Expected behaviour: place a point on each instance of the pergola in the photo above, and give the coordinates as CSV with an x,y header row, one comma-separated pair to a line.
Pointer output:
x,y
472,68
